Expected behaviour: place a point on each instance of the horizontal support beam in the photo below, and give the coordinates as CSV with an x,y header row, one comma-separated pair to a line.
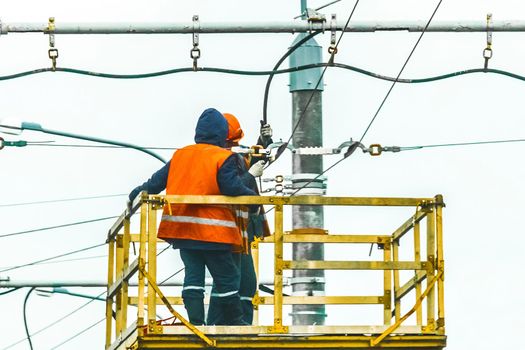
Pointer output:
x,y
260,27
353,265
298,200
128,272
321,300
314,238
317,330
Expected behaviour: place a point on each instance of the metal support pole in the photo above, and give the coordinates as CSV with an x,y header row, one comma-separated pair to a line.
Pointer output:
x,y
291,27
306,88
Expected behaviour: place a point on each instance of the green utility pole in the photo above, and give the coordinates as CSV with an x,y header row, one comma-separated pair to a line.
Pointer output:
x,y
306,87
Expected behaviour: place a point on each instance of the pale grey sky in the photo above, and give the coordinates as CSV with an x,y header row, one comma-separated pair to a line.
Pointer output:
x,y
482,185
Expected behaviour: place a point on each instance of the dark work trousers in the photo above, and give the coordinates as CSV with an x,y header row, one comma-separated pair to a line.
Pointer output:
x,y
224,269
247,290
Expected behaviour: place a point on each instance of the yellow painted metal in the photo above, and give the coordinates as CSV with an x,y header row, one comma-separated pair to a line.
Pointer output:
x,y
397,301
306,238
186,323
125,265
387,285
152,263
319,300
278,271
255,257
428,291
431,258
118,296
296,200
142,260
408,225
154,335
440,265
353,265
109,300
418,275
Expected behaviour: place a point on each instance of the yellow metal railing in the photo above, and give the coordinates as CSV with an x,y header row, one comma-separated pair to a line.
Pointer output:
x,y
426,284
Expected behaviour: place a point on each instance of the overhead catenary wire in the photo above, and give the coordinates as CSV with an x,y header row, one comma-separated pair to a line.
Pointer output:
x,y
63,200
57,226
473,143
331,59
347,154
400,72
54,322
53,257
78,334
10,291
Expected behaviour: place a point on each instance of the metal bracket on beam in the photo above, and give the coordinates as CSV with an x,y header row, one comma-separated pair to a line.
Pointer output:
x,y
332,49
52,53
315,17
195,52
487,53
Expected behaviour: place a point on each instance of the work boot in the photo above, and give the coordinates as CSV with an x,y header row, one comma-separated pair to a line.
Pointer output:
x,y
195,309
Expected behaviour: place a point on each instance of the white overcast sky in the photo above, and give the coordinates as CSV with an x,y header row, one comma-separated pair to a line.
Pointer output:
x,y
482,185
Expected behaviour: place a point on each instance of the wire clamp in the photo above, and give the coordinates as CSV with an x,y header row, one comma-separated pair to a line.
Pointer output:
x,y
487,52
279,187
195,52
332,49
315,17
52,53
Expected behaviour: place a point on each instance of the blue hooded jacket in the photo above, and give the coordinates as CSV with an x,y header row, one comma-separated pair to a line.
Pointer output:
x,y
212,128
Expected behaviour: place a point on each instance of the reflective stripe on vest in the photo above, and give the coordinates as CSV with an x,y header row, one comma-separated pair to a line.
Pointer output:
x,y
201,221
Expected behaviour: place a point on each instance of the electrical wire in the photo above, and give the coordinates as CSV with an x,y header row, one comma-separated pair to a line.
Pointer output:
x,y
269,72
331,59
67,260
78,334
400,72
54,322
57,226
412,148
53,257
271,75
25,318
347,154
63,200
101,146
10,291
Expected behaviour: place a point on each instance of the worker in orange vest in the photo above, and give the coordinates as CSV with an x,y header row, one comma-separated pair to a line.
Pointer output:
x,y
251,221
205,234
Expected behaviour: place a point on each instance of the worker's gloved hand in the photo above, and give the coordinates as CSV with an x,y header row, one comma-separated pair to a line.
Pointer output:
x,y
257,169
266,131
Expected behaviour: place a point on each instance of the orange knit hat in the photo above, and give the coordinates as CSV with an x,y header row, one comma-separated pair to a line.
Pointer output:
x,y
235,133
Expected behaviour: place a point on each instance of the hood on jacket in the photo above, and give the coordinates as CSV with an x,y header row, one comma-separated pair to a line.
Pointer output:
x,y
212,128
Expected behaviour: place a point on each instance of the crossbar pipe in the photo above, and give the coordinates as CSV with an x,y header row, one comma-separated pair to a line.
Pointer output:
x,y
292,27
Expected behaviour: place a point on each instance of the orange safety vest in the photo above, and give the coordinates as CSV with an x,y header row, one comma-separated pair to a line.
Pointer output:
x,y
193,171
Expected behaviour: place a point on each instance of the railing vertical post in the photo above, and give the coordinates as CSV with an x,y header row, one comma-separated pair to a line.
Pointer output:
x,y
440,265
387,285
417,258
152,262
118,296
109,300
255,256
397,301
431,270
142,258
278,267
125,244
